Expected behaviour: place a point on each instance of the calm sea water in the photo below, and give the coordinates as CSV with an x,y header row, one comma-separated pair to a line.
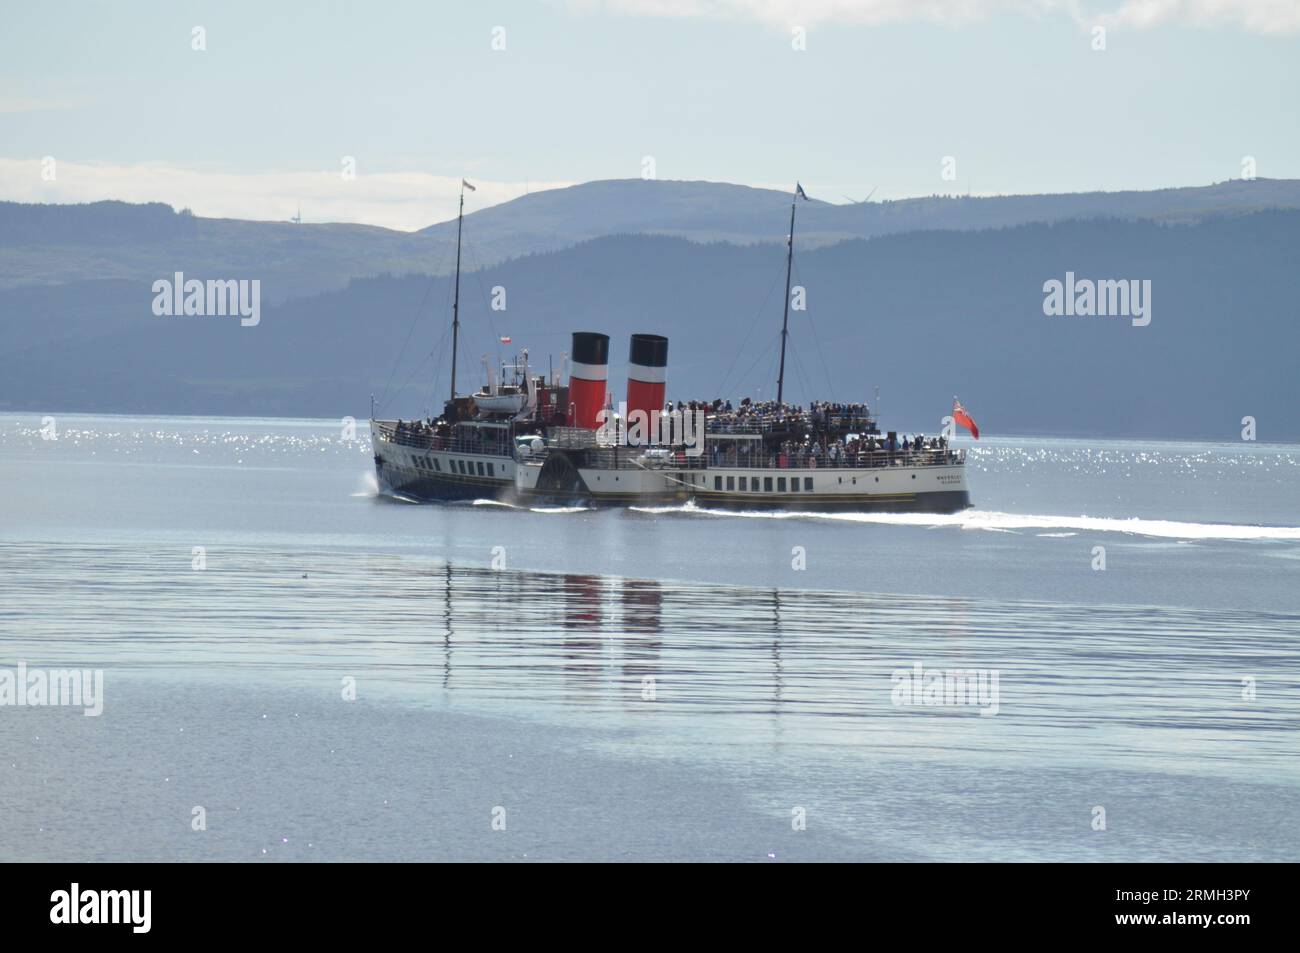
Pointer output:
x,y
644,682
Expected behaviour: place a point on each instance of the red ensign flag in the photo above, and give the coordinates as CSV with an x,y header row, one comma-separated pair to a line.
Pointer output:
x,y
959,414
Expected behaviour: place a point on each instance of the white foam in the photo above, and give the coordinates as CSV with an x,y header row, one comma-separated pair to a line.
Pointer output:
x,y
993,521
369,485
532,509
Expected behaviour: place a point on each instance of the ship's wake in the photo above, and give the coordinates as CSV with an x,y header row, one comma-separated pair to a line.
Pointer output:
x,y
997,522
531,509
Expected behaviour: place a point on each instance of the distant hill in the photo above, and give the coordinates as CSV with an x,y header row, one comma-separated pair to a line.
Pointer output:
x,y
717,211
923,314
55,244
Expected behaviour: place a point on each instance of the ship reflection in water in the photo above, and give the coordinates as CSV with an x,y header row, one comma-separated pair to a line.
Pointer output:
x,y
750,664
713,665
602,640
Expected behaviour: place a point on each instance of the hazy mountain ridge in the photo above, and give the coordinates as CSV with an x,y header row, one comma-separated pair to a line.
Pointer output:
x,y
718,211
924,315
54,244
50,245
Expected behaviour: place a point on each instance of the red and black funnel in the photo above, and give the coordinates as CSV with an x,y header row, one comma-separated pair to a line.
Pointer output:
x,y
588,377
647,373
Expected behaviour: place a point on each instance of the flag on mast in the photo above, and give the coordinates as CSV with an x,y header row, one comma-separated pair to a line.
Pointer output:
x,y
798,190
468,186
966,420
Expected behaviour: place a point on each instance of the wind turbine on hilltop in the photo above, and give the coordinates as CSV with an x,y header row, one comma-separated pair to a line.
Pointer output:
x,y
853,201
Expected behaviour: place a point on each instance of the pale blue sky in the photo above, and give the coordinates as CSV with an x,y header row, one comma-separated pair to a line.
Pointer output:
x,y
261,119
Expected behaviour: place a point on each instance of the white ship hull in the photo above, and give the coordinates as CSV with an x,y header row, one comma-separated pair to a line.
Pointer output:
x,y
432,474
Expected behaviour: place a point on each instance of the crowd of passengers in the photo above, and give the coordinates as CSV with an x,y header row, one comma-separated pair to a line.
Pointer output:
x,y
437,435
825,452
416,428
815,450
748,413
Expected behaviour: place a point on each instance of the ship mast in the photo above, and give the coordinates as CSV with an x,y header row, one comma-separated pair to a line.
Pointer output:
x,y
785,321
455,305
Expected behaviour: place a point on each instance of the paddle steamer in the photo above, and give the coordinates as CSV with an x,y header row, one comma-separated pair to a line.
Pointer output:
x,y
529,439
